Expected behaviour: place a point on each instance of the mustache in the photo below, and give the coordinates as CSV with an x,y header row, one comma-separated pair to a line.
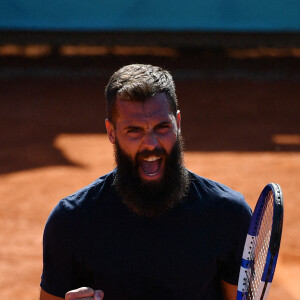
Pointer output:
x,y
147,153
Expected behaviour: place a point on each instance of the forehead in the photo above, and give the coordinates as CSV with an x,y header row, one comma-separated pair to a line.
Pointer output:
x,y
154,108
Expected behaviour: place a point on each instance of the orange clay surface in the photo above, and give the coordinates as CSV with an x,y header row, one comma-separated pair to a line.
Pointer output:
x,y
242,133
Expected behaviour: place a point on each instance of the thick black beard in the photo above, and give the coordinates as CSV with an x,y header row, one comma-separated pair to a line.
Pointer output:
x,y
151,199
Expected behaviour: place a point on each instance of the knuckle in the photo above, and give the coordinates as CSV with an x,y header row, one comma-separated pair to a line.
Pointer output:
x,y
79,293
99,294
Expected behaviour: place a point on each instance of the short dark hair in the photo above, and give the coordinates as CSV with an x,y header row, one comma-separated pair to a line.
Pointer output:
x,y
137,82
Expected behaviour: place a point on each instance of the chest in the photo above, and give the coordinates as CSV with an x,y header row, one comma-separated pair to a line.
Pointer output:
x,y
142,258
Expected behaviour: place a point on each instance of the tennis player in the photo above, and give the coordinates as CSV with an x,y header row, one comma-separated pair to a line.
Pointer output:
x,y
149,229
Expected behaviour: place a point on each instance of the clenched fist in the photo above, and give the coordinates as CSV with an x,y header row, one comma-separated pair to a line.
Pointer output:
x,y
84,293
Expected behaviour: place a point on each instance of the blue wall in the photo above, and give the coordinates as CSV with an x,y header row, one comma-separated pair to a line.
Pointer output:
x,y
208,15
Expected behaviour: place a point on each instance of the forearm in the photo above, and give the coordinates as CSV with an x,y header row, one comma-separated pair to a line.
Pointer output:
x,y
229,290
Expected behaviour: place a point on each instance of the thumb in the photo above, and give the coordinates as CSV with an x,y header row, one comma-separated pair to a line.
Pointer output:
x,y
98,295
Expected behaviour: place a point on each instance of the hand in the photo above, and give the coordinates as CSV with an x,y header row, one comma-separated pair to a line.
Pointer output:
x,y
84,293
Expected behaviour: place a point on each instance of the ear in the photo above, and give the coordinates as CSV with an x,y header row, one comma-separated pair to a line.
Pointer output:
x,y
110,131
178,120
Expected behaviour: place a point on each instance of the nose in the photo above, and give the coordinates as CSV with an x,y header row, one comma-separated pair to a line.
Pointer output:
x,y
150,141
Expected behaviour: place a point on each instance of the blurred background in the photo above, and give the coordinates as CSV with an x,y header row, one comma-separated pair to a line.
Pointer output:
x,y
236,65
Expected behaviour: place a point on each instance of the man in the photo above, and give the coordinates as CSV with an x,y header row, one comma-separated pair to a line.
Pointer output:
x,y
150,229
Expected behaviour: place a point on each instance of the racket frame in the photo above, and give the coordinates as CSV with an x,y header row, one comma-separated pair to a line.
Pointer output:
x,y
273,248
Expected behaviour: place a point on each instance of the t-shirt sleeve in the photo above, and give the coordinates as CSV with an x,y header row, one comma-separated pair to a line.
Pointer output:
x,y
235,231
57,276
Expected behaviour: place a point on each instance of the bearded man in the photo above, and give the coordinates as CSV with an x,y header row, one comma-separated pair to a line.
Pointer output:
x,y
150,229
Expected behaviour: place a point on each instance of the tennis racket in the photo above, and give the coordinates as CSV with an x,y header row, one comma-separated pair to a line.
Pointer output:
x,y
262,245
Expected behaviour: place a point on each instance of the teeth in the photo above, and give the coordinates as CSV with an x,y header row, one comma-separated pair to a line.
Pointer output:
x,y
152,158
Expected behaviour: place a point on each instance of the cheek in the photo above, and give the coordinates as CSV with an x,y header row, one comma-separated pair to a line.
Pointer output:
x,y
129,146
169,141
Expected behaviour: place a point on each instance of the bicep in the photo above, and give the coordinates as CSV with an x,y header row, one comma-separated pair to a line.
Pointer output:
x,y
229,290
45,296
59,271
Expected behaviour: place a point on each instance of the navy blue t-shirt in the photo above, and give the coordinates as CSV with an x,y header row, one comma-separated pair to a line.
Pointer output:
x,y
92,239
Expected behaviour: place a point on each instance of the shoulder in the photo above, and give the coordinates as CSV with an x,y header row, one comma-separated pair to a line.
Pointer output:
x,y
81,203
211,194
212,189
219,205
88,195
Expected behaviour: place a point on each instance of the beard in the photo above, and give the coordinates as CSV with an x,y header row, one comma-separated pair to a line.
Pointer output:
x,y
151,198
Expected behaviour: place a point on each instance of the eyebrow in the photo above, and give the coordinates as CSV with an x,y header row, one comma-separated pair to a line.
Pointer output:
x,y
132,127
163,123
138,127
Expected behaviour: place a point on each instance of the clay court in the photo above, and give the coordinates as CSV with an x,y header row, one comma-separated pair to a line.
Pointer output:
x,y
240,120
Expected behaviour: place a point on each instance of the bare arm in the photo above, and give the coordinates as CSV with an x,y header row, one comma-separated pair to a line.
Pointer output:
x,y
45,296
229,290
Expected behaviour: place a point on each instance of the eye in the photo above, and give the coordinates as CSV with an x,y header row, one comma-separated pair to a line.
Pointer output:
x,y
163,128
134,131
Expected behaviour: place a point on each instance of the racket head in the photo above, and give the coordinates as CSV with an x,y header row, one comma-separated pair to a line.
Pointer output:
x,y
262,245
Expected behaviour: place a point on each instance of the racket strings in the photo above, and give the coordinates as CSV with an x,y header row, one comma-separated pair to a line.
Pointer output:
x,y
260,245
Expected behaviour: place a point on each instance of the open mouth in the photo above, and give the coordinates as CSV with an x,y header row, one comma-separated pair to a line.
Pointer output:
x,y
151,165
